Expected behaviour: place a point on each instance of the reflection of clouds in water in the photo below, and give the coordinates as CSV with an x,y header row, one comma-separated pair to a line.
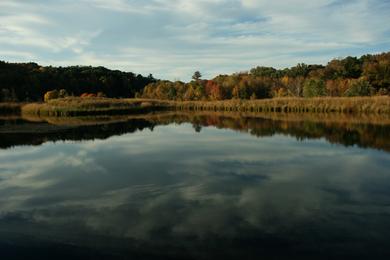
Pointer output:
x,y
32,180
172,182
26,174
277,207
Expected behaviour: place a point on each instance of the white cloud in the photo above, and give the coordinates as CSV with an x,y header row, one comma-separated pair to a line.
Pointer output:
x,y
172,38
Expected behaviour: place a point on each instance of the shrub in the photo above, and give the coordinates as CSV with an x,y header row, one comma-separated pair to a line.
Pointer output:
x,y
51,95
63,93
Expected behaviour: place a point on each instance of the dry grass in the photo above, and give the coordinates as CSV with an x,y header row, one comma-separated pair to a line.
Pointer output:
x,y
75,106
297,105
93,106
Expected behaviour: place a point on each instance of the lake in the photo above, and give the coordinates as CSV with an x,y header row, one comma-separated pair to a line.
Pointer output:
x,y
195,186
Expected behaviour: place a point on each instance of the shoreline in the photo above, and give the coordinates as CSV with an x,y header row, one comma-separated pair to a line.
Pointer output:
x,y
75,106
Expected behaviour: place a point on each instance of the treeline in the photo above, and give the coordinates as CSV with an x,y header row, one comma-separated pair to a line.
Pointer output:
x,y
368,75
29,82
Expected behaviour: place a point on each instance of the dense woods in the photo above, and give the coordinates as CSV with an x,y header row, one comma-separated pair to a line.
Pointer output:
x,y
368,75
29,82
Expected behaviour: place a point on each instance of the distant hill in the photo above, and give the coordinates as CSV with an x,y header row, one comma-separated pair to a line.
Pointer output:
x,y
30,81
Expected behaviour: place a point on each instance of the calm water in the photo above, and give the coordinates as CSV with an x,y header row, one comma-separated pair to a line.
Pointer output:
x,y
194,187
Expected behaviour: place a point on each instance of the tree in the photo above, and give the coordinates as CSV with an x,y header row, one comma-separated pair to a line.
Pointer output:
x,y
314,88
359,88
265,72
29,81
197,75
301,69
213,90
339,78
377,71
337,87
190,93
350,67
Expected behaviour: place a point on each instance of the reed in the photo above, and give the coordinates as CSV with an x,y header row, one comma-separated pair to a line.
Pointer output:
x,y
76,106
99,106
380,104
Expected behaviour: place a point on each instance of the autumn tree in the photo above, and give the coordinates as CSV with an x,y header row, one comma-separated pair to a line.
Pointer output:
x,y
351,76
213,90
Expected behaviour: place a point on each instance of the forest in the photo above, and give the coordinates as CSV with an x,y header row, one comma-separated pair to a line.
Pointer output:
x,y
368,75
24,82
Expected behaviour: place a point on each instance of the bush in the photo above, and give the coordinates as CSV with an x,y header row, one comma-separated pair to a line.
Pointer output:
x,y
51,95
63,93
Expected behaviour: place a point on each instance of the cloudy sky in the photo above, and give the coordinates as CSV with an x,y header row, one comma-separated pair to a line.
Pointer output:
x,y
173,38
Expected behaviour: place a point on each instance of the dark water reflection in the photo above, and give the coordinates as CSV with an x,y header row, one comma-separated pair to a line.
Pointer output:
x,y
346,130
194,186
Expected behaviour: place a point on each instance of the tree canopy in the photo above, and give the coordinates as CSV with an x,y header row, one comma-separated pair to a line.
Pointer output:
x,y
197,75
29,81
351,76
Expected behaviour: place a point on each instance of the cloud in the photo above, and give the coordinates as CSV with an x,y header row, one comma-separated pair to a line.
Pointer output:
x,y
173,38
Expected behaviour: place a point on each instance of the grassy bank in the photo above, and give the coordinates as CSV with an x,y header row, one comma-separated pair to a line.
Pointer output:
x,y
104,106
377,105
90,106
192,116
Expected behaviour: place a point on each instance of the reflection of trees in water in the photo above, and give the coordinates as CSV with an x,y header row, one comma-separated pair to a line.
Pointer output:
x,y
43,132
345,132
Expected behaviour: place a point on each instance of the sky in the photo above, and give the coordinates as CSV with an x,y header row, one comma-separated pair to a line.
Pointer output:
x,y
173,38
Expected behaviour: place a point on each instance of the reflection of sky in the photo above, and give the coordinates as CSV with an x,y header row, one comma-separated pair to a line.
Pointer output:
x,y
176,182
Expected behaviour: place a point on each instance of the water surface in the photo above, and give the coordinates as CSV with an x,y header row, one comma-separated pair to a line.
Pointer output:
x,y
187,186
